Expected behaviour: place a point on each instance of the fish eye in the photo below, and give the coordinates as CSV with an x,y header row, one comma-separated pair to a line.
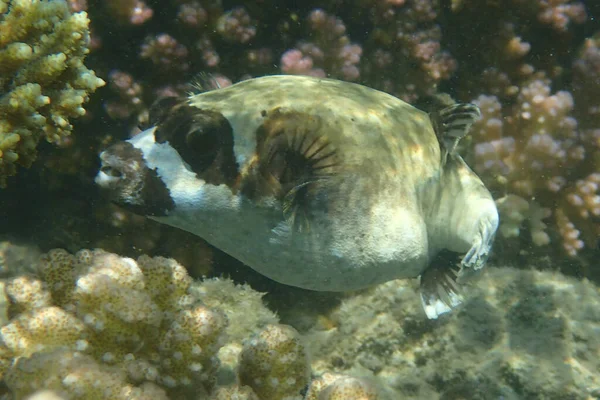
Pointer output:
x,y
111,171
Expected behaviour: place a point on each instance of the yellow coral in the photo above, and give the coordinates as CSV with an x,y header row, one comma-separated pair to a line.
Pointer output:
x,y
136,315
234,392
73,375
340,387
274,364
43,81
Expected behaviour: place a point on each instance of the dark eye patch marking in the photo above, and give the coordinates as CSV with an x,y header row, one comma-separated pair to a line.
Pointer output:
x,y
160,109
204,140
295,160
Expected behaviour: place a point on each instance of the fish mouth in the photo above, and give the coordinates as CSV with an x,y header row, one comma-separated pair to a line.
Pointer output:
x,y
108,175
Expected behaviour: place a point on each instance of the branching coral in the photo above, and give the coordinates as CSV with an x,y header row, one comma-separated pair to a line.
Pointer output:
x,y
329,53
532,154
43,81
404,49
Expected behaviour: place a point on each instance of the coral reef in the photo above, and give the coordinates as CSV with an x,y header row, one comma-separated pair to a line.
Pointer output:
x,y
520,335
330,50
134,314
538,93
95,325
268,359
43,81
532,66
535,156
518,60
340,387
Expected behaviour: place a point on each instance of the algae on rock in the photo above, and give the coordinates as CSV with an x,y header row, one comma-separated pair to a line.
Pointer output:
x,y
43,81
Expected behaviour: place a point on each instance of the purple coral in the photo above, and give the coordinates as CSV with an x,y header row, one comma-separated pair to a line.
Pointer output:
x,y
192,14
129,92
330,51
236,25
560,13
165,52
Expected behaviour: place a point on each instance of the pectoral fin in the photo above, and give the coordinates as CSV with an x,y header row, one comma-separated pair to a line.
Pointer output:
x,y
452,123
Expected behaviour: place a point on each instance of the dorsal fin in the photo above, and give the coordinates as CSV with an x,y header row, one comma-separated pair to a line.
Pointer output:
x,y
452,123
202,83
294,160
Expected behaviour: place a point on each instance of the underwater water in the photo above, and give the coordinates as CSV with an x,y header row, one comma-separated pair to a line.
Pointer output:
x,y
296,238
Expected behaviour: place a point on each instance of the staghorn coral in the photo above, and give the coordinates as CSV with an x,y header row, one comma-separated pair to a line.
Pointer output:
x,y
43,82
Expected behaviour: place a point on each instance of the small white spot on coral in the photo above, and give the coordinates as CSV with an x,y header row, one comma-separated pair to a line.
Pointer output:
x,y
195,367
81,345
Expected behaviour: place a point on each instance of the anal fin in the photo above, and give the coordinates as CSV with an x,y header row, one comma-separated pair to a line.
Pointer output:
x,y
439,289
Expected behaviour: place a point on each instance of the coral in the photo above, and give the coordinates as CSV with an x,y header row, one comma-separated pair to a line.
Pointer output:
x,y
586,81
275,364
134,12
495,346
236,25
130,96
135,316
515,211
339,387
98,326
560,13
17,259
43,81
165,52
523,40
72,375
330,53
234,392
404,47
533,152
235,301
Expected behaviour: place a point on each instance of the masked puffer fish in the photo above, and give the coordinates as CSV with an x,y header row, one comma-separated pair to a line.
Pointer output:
x,y
316,183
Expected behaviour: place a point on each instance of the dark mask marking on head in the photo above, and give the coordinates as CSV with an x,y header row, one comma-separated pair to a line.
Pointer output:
x,y
131,184
204,140
160,109
294,162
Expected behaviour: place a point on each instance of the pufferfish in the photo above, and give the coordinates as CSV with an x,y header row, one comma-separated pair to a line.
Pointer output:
x,y
315,183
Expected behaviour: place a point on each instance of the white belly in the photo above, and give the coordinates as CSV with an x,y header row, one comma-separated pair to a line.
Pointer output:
x,y
332,256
